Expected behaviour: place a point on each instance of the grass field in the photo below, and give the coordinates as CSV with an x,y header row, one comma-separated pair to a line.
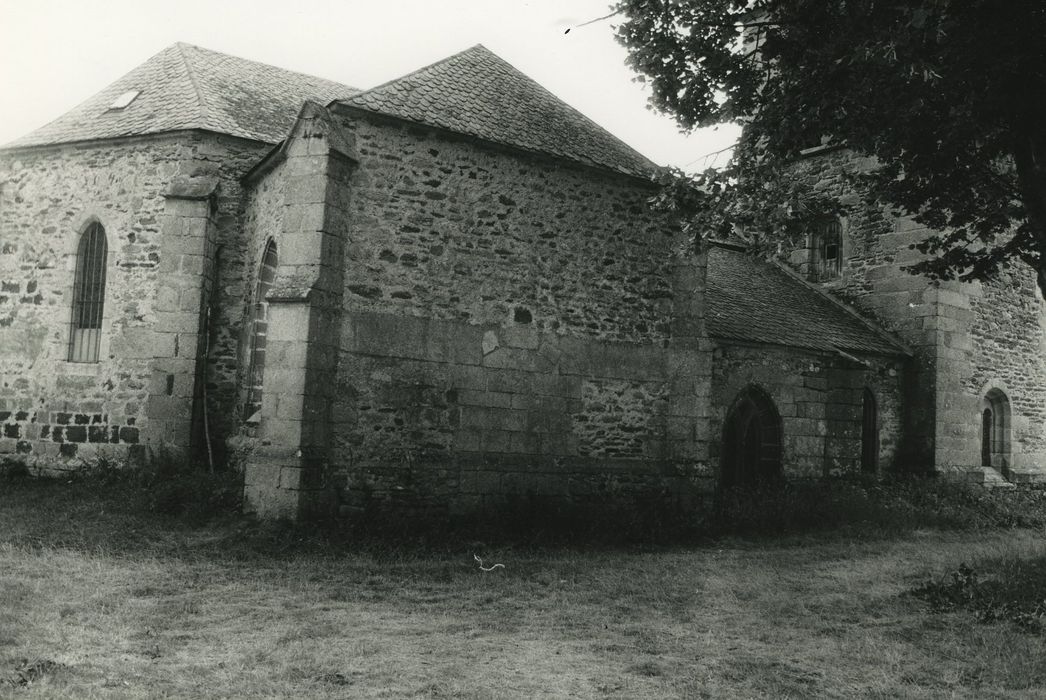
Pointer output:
x,y
101,600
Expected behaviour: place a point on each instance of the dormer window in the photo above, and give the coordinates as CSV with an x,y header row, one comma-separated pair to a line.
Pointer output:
x,y
125,99
826,251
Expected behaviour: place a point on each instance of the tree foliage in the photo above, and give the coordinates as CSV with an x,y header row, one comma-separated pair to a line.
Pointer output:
x,y
949,96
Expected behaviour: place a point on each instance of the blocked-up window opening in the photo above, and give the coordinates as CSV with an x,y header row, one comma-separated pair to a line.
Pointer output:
x,y
260,321
88,295
826,251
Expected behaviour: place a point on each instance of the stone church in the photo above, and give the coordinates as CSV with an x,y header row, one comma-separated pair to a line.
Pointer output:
x,y
450,290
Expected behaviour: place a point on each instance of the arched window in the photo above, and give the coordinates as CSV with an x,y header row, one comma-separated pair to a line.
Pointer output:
x,y
85,337
869,433
826,251
256,373
751,440
995,430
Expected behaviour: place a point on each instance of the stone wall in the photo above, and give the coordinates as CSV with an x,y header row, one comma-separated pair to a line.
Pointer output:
x,y
235,265
1002,346
446,229
437,414
819,399
57,413
512,325
966,338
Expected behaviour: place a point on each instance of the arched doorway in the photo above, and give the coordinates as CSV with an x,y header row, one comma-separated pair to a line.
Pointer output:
x,y
869,433
751,440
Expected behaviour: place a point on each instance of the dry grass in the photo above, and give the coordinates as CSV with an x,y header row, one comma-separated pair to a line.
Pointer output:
x,y
135,606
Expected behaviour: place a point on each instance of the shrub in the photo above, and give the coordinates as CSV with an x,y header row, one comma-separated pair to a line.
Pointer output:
x,y
167,484
10,469
176,486
1011,589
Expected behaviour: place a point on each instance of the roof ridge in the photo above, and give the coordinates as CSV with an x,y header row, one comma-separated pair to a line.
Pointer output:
x,y
569,106
475,105
876,328
185,86
414,72
82,103
201,113
184,44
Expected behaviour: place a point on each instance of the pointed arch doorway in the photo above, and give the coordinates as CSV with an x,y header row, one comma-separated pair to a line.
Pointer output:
x,y
751,441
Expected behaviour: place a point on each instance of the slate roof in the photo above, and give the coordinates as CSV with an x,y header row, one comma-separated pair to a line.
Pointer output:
x,y
753,300
473,92
188,87
478,93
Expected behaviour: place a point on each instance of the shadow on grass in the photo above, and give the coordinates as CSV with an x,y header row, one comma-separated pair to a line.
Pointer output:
x,y
175,509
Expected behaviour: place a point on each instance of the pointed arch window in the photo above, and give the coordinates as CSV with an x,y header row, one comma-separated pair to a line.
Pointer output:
x,y
85,338
752,440
826,251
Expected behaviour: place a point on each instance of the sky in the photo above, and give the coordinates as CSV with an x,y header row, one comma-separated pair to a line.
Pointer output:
x,y
56,53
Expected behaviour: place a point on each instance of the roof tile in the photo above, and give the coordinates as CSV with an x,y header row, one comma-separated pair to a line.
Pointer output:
x,y
753,300
188,87
478,93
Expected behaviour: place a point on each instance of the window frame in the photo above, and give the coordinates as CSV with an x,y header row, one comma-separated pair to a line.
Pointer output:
x,y
995,425
824,235
87,309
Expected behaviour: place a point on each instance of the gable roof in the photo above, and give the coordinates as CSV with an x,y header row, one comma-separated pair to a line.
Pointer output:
x,y
188,87
478,93
757,301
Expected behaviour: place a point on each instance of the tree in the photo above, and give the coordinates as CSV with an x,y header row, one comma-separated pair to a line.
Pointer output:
x,y
949,96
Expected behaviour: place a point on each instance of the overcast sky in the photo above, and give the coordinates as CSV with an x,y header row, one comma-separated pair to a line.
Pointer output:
x,y
56,53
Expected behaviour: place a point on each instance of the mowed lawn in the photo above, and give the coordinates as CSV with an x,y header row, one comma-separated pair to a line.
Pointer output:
x,y
138,606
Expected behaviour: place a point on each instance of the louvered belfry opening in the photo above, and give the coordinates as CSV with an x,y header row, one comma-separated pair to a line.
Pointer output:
x,y
85,339
256,372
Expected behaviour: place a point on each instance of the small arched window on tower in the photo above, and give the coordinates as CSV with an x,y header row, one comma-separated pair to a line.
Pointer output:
x,y
995,430
826,251
85,337
256,372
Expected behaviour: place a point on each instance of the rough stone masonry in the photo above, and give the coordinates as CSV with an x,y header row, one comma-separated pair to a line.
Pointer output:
x,y
450,291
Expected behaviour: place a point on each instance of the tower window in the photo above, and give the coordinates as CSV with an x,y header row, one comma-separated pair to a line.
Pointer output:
x,y
826,251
